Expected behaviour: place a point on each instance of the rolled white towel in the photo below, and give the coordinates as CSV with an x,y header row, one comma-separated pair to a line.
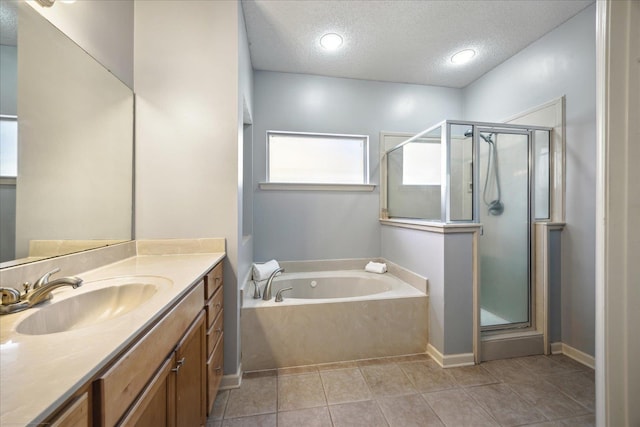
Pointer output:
x,y
376,267
264,270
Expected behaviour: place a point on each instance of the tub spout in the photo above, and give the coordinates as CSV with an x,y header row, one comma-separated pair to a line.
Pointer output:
x,y
266,294
279,294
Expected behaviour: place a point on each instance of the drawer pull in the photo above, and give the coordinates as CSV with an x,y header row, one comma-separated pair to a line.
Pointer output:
x,y
179,364
219,330
219,368
218,305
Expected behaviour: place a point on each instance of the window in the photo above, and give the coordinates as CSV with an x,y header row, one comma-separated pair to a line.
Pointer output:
x,y
306,158
421,163
8,146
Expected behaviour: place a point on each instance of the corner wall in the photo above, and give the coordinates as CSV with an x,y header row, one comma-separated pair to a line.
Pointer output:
x,y
562,62
189,130
446,259
296,225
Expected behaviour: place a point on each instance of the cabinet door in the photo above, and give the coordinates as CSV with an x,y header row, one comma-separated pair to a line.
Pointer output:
x,y
191,376
154,407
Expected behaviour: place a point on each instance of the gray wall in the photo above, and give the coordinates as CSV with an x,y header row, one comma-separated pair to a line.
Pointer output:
x,y
8,106
560,63
442,258
8,80
292,225
7,222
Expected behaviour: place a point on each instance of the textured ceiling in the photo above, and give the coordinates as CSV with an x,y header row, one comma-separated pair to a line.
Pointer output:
x,y
397,40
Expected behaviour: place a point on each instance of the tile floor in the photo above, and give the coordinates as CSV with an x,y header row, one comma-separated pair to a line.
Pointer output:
x,y
413,391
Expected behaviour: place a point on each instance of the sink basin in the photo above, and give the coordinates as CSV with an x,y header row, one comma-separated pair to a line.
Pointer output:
x,y
114,298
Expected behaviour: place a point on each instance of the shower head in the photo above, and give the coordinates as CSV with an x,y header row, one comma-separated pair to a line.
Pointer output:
x,y
486,138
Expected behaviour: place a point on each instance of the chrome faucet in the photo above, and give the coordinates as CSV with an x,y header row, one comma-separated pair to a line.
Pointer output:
x,y
266,294
13,301
45,278
279,294
43,292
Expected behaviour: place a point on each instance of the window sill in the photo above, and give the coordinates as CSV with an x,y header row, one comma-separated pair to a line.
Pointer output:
x,y
8,180
290,186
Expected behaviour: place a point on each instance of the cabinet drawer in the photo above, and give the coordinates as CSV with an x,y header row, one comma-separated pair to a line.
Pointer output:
x,y
212,281
214,306
122,383
214,333
214,373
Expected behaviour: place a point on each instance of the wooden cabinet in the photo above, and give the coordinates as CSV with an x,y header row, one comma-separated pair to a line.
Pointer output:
x,y
168,377
191,376
155,406
213,299
126,388
75,415
175,396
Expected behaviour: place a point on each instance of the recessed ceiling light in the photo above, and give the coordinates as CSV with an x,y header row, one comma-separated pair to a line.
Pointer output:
x,y
68,1
463,56
331,41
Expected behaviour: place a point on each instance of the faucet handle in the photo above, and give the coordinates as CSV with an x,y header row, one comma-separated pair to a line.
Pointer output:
x,y
10,296
279,294
45,278
256,291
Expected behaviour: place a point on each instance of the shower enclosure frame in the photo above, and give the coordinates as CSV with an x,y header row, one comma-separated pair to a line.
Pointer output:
x,y
487,127
477,129
498,128
445,194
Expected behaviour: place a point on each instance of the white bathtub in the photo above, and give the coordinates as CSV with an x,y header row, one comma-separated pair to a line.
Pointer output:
x,y
332,286
332,316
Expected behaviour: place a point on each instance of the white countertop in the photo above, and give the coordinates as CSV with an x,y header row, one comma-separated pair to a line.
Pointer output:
x,y
39,372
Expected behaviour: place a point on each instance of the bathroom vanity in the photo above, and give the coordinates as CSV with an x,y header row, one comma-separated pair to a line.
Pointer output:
x,y
159,364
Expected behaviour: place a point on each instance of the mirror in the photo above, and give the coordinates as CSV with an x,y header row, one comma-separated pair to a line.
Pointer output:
x,y
74,183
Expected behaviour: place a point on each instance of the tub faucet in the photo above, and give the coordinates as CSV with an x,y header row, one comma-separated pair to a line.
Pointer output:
x,y
266,294
256,290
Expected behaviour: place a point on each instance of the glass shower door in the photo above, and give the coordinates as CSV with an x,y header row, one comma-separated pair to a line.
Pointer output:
x,y
503,202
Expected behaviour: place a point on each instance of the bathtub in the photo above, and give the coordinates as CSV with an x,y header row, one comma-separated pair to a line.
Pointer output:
x,y
332,316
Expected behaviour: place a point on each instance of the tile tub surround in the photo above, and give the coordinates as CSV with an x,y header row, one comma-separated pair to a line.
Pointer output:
x,y
303,332
67,360
347,394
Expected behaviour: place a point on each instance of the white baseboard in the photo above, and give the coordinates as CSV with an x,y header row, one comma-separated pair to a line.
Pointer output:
x,y
556,348
574,353
231,381
450,360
